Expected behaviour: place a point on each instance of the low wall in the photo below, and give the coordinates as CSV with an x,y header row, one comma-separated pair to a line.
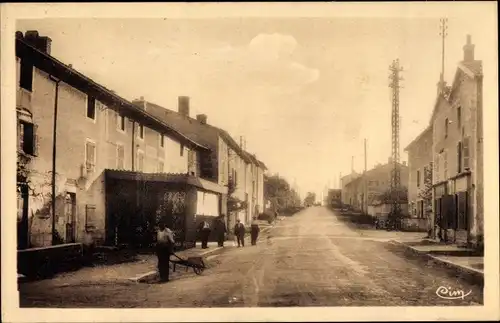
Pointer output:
x,y
414,224
46,261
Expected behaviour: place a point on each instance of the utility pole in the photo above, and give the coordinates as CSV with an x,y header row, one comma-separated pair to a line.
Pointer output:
x,y
395,78
365,192
54,155
443,32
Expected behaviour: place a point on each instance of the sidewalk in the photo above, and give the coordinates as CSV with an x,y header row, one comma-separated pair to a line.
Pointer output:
x,y
144,268
463,262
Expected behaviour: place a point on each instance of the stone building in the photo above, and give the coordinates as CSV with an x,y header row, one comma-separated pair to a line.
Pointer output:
x,y
457,151
68,121
420,178
227,160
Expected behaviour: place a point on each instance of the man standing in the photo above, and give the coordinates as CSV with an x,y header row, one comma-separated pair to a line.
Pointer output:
x,y
220,229
204,230
254,231
164,248
239,232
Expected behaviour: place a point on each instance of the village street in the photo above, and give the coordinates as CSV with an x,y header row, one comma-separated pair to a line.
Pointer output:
x,y
310,259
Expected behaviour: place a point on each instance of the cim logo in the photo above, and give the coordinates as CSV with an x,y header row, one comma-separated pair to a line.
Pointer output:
x,y
449,293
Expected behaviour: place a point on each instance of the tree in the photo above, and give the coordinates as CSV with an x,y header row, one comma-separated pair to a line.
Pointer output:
x,y
400,195
278,191
426,195
310,198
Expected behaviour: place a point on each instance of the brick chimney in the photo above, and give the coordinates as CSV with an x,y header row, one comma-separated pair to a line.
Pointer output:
x,y
183,105
202,118
468,50
42,43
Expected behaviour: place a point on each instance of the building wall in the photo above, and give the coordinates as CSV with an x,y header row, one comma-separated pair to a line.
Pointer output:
x,y
467,97
419,158
74,129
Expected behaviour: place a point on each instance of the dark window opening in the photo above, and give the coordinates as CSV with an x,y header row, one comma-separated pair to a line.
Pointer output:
x,y
141,131
27,138
91,108
459,117
446,128
121,122
162,140
182,150
26,75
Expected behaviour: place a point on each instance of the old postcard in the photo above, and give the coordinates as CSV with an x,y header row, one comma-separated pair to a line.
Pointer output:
x,y
249,162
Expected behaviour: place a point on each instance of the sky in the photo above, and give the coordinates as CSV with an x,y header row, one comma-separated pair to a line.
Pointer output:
x,y
303,92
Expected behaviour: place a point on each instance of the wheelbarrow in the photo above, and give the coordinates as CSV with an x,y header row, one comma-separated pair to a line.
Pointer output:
x,y
196,263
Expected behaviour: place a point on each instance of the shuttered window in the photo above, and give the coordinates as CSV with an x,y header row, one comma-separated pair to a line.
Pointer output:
x,y
459,157
120,157
90,156
465,152
90,217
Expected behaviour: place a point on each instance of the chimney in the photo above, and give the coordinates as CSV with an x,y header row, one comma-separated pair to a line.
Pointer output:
x,y
183,103
468,50
202,118
41,43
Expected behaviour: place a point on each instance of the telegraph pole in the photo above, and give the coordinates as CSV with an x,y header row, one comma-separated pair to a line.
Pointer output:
x,y
365,192
395,78
443,32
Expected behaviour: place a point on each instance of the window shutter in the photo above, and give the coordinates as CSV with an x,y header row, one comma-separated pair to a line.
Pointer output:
x,y
90,217
465,149
459,157
35,140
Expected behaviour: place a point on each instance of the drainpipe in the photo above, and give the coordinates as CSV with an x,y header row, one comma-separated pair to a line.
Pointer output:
x,y
133,145
54,147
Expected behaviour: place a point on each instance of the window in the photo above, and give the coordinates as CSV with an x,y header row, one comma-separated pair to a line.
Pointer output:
x,y
162,140
182,150
446,128
90,217
140,160
140,132
465,153
459,157
459,117
120,157
445,164
90,156
191,163
26,75
121,122
27,138
91,108
161,166
418,178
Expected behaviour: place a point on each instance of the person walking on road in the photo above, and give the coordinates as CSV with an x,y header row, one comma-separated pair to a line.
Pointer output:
x,y
204,230
254,231
220,230
164,248
239,232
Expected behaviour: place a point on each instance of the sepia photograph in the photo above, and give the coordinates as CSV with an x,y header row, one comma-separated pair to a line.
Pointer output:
x,y
317,159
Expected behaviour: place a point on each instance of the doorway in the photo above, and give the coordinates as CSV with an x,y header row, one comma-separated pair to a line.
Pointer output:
x,y
70,217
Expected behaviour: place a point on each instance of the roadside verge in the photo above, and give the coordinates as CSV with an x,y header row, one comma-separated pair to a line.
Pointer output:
x,y
454,268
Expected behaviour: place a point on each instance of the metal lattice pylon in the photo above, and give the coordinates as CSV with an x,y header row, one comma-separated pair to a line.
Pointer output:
x,y
395,78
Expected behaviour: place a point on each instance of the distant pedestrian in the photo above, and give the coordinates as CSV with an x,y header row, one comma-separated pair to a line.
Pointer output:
x,y
220,229
164,248
254,231
204,230
239,232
